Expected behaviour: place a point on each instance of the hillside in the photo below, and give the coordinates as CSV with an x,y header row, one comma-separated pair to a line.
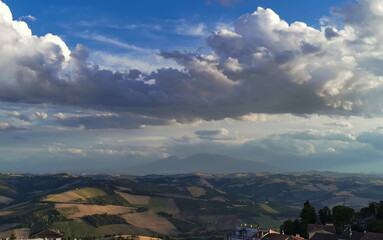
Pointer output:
x,y
175,205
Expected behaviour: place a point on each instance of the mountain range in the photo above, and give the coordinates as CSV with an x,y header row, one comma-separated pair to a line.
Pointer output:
x,y
207,163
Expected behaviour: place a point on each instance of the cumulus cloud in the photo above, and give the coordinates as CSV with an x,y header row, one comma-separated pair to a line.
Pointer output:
x,y
261,65
185,28
254,117
60,115
39,115
65,150
343,124
14,114
28,17
4,126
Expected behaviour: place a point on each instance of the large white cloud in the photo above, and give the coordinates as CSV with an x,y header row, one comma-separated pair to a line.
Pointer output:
x,y
264,65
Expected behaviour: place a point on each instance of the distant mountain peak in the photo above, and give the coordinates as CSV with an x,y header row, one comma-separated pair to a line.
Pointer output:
x,y
203,163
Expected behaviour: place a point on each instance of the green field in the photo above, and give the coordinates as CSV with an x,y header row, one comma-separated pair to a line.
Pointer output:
x,y
267,208
157,204
90,192
183,225
125,229
266,221
254,199
208,219
78,228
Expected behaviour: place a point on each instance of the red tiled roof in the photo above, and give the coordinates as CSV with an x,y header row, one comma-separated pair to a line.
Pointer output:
x,y
48,233
275,236
316,227
324,236
295,238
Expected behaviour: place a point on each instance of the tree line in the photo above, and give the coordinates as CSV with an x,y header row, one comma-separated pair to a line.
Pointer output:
x,y
368,218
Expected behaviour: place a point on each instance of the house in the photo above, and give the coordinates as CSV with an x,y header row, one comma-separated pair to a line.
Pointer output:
x,y
348,235
48,234
250,233
135,237
275,236
324,236
317,228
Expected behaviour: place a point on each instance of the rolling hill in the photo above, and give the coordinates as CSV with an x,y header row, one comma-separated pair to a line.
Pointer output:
x,y
184,205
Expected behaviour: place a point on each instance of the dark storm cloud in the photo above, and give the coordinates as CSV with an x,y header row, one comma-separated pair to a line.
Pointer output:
x,y
264,65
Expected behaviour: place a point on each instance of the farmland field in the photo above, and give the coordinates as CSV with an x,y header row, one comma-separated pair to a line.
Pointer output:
x,y
72,211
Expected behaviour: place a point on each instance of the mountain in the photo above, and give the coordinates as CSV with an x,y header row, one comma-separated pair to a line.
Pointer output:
x,y
206,163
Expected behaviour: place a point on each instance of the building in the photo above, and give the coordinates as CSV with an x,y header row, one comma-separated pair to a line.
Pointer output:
x,y
348,235
48,234
249,233
135,237
312,229
275,236
324,236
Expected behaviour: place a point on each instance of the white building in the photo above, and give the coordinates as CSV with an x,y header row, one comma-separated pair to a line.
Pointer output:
x,y
249,233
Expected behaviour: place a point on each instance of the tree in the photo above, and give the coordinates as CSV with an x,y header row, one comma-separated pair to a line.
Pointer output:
x,y
342,215
364,212
13,236
372,207
288,227
379,210
325,215
308,214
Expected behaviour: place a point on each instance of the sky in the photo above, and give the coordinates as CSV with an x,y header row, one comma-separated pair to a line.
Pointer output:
x,y
103,86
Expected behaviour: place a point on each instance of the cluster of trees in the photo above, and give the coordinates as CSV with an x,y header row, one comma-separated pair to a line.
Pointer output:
x,y
340,216
110,199
368,218
99,220
40,217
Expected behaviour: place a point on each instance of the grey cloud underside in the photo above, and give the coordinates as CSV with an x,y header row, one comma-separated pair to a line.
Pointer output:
x,y
264,66
304,150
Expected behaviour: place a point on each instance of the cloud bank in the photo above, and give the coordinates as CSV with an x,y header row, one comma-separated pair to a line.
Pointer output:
x,y
263,65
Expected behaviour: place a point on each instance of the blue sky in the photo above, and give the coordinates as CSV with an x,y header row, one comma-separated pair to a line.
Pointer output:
x,y
294,83
153,24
